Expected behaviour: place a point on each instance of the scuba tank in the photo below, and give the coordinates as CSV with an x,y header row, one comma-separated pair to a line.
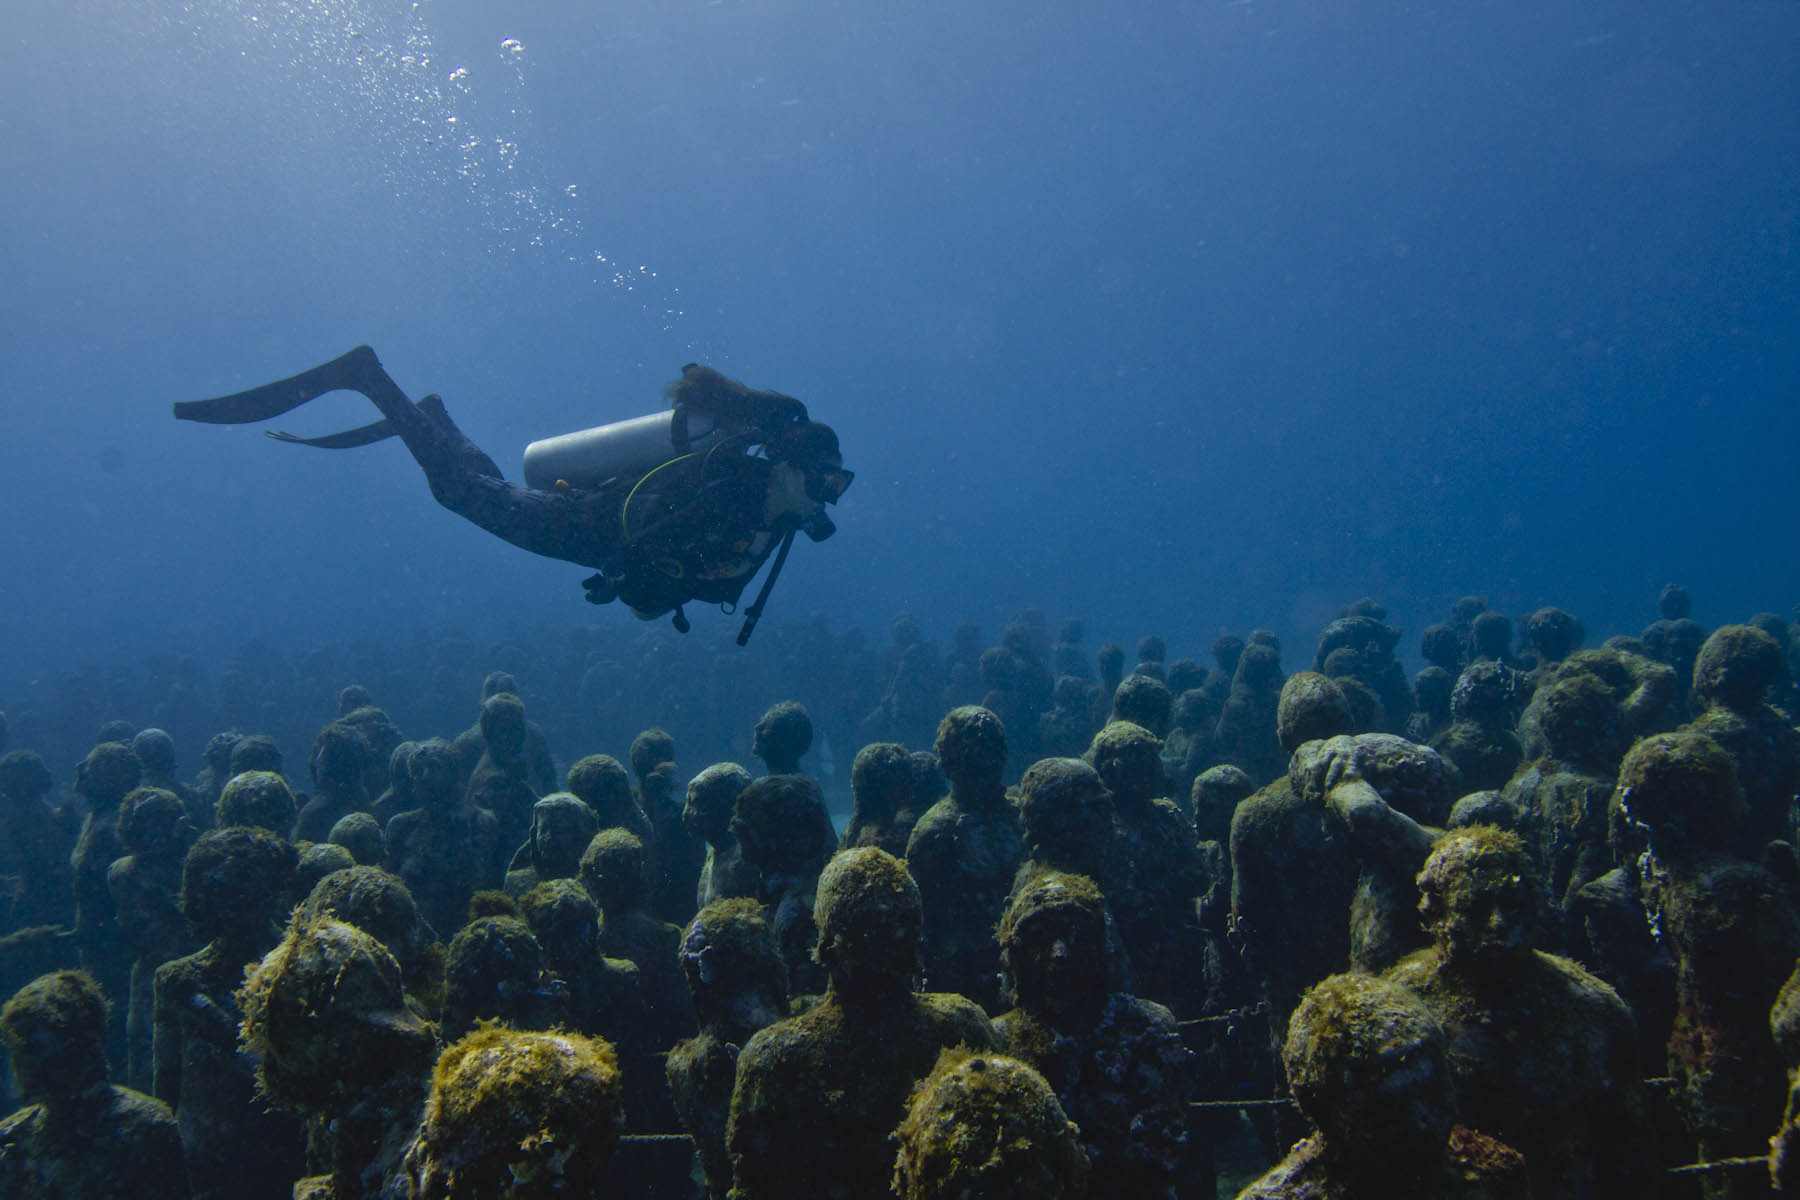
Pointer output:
x,y
589,457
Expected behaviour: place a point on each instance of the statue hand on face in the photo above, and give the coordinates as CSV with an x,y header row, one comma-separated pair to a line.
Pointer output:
x,y
1377,827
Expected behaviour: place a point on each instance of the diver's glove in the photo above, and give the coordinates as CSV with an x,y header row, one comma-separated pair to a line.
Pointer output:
x,y
819,526
600,589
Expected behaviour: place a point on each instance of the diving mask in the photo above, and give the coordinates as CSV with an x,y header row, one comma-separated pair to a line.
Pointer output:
x,y
825,485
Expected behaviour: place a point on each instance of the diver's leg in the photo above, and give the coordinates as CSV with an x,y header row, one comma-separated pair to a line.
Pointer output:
x,y
467,482
463,479
436,443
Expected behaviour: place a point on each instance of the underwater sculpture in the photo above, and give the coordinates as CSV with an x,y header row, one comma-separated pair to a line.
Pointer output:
x,y
104,778
445,848
817,1095
561,828
79,1138
881,781
471,743
326,1020
615,871
1737,668
711,799
1732,928
1543,1054
739,985
668,509
1115,1061
776,824
339,765
675,867
1367,1063
501,781
155,835
601,782
1156,869
35,839
964,853
233,890
258,799
987,1125
516,1114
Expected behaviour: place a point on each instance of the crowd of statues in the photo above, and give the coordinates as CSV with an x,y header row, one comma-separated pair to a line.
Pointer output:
x,y
1527,923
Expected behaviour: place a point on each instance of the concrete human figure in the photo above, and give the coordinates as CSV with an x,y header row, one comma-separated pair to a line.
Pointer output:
x,y
987,1125
1116,1062
1368,1065
739,985
817,1095
964,853
326,1019
79,1137
233,893
1543,1054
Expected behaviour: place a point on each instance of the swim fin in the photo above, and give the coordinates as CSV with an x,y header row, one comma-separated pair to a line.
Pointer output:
x,y
357,371
364,435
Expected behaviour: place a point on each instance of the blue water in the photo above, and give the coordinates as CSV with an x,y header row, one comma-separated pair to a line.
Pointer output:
x,y
1178,317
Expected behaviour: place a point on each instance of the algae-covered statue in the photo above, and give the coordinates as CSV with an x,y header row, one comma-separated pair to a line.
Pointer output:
x,y
818,1095
1116,1062
668,508
445,848
605,995
155,834
326,1018
1367,1065
561,828
339,764
259,800
615,871
777,824
1158,868
79,1138
501,781
711,798
964,853
1738,667
515,1114
739,985
1543,1054
233,890
1732,928
108,773
987,1125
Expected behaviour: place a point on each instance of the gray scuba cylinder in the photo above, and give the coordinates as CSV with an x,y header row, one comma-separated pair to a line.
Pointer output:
x,y
589,457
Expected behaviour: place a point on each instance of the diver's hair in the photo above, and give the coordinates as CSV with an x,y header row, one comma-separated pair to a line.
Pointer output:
x,y
730,402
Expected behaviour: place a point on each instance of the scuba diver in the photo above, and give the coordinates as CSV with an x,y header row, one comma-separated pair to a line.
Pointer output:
x,y
671,507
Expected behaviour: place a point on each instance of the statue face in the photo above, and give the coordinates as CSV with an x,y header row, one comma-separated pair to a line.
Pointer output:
x,y
558,837
52,1062
706,816
1057,954
435,777
1488,911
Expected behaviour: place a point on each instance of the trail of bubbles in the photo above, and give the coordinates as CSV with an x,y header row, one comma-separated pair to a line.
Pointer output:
x,y
368,75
